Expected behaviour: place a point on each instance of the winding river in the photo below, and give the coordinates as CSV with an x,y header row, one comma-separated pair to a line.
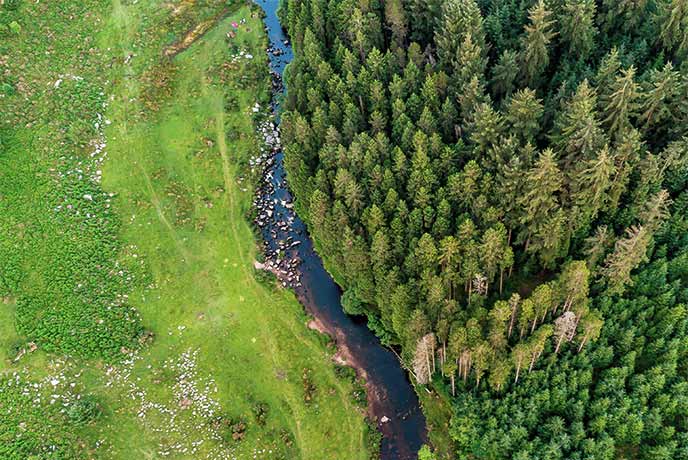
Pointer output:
x,y
392,402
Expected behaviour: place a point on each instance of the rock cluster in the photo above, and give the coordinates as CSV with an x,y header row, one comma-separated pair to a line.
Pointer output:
x,y
274,211
275,216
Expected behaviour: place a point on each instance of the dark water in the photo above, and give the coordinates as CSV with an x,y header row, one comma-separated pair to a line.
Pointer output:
x,y
390,393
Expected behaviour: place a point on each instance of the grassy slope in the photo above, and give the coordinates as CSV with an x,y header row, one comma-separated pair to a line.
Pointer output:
x,y
173,156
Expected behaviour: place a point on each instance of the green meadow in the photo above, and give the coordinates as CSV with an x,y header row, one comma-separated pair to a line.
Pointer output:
x,y
132,321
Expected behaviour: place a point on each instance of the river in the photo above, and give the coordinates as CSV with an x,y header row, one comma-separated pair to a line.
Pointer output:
x,y
392,401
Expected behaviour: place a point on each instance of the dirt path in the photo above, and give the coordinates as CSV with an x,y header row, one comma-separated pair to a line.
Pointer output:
x,y
195,33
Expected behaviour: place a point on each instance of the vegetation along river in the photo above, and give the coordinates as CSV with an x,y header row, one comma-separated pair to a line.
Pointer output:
x,y
392,402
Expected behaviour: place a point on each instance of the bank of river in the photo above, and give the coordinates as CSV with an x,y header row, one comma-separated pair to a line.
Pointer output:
x,y
392,402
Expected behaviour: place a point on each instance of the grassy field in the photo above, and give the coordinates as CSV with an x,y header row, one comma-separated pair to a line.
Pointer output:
x,y
127,277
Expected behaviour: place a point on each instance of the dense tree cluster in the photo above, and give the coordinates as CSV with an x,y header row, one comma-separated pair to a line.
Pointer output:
x,y
486,177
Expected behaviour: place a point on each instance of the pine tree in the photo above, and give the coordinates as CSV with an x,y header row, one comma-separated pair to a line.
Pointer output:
x,y
537,344
482,356
626,157
596,246
459,345
519,356
459,18
493,249
673,20
629,253
542,218
524,113
424,15
656,210
539,35
579,134
448,120
526,316
395,17
624,14
486,129
400,302
573,285
500,316
514,302
449,368
470,98
621,106
499,372
504,74
607,73
543,303
590,326
590,185
578,26
468,64
510,184
660,90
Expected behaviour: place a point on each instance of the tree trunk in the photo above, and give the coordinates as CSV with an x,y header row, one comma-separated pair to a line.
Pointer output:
x,y
501,281
532,329
518,371
532,362
561,339
585,339
427,362
513,318
452,385
434,369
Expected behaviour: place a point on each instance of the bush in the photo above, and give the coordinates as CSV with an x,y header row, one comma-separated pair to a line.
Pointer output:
x,y
351,303
84,411
12,5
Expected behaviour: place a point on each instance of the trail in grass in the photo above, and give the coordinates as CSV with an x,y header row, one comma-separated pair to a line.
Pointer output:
x,y
263,323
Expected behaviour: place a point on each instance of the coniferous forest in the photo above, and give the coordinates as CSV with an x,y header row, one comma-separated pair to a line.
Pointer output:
x,y
501,186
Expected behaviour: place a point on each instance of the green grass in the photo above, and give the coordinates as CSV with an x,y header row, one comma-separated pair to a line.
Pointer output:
x,y
225,354
438,411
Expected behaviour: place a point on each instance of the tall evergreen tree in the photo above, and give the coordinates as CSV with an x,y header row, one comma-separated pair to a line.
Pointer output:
x,y
459,19
542,218
524,114
538,36
621,106
578,28
628,253
673,20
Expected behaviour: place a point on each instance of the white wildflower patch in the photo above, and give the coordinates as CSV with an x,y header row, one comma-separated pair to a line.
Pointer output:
x,y
185,421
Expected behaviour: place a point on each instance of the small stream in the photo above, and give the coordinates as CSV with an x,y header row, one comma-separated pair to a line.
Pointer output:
x,y
392,402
